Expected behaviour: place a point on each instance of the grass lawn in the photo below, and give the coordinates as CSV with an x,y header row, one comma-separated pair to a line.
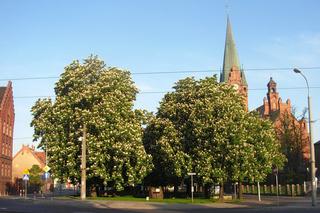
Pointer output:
x,y
135,199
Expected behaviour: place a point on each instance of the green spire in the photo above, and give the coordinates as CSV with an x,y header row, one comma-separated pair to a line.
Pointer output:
x,y
230,56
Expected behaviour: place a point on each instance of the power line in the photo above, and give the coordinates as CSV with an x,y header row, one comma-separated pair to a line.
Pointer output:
x,y
167,72
22,138
163,92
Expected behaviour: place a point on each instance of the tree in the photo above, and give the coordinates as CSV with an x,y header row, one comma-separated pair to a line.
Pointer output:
x,y
102,98
293,141
202,126
35,178
258,154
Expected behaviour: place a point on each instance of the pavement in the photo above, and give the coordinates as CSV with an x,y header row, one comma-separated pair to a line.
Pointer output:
x,y
249,204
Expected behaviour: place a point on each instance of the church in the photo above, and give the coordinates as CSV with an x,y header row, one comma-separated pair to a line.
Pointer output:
x,y
272,107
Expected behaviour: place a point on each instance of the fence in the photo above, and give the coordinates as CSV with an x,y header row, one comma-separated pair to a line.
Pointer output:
x,y
285,190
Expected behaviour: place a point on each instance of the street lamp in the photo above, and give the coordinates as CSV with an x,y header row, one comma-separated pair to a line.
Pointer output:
x,y
312,160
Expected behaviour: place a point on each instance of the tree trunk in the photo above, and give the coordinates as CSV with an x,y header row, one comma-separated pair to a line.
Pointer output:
x,y
206,191
240,190
175,192
221,192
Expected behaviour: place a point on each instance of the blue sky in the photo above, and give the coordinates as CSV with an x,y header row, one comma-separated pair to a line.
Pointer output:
x,y
39,38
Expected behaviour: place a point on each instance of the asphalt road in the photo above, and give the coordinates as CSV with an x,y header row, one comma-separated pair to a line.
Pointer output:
x,y
18,205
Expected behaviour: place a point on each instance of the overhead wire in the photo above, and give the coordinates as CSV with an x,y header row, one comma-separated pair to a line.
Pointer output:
x,y
163,92
169,72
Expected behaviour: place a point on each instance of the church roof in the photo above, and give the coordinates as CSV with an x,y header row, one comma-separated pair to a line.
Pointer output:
x,y
230,56
271,82
2,91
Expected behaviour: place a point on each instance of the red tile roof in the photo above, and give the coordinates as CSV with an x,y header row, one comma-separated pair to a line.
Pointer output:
x,y
41,156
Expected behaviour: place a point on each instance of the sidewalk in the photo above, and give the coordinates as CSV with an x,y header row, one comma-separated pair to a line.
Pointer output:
x,y
250,202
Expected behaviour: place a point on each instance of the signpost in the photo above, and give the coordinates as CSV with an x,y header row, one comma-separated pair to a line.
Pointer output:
x,y
26,179
275,172
192,189
46,175
46,168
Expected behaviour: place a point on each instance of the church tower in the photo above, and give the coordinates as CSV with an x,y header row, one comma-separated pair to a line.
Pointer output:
x,y
273,96
232,73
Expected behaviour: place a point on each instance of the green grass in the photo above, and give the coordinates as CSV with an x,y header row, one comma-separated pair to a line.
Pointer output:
x,y
135,199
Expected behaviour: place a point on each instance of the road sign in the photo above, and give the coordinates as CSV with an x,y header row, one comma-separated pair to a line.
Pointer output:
x,y
25,177
46,175
46,168
192,173
26,172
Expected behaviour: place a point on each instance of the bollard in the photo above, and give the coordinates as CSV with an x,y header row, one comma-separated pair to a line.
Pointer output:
x,y
292,190
298,189
288,190
279,189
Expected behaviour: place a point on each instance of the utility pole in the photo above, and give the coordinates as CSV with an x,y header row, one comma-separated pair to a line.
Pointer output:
x,y
83,163
312,154
313,162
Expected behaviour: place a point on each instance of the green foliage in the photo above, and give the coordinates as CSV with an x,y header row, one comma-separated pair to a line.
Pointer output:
x,y
35,181
202,126
102,98
292,146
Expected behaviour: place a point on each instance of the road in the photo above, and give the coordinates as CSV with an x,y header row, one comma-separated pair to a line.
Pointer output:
x,y
19,205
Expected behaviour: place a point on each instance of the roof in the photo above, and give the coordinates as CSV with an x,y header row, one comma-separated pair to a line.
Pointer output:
x,y
273,115
2,91
317,143
41,156
271,81
260,110
230,58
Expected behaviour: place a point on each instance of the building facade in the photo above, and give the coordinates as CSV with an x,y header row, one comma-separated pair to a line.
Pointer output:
x,y
6,136
278,112
24,159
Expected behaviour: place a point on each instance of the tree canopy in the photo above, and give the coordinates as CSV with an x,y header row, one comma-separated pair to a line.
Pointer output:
x,y
102,98
203,127
294,140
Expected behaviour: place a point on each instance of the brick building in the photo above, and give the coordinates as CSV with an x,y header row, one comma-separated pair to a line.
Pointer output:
x,y
6,136
274,109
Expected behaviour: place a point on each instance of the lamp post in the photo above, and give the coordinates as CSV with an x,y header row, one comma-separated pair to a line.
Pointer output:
x,y
312,160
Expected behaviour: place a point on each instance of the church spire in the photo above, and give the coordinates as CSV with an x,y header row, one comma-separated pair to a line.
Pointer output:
x,y
230,59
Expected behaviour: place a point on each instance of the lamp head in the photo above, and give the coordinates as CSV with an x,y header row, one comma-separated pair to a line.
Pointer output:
x,y
296,70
